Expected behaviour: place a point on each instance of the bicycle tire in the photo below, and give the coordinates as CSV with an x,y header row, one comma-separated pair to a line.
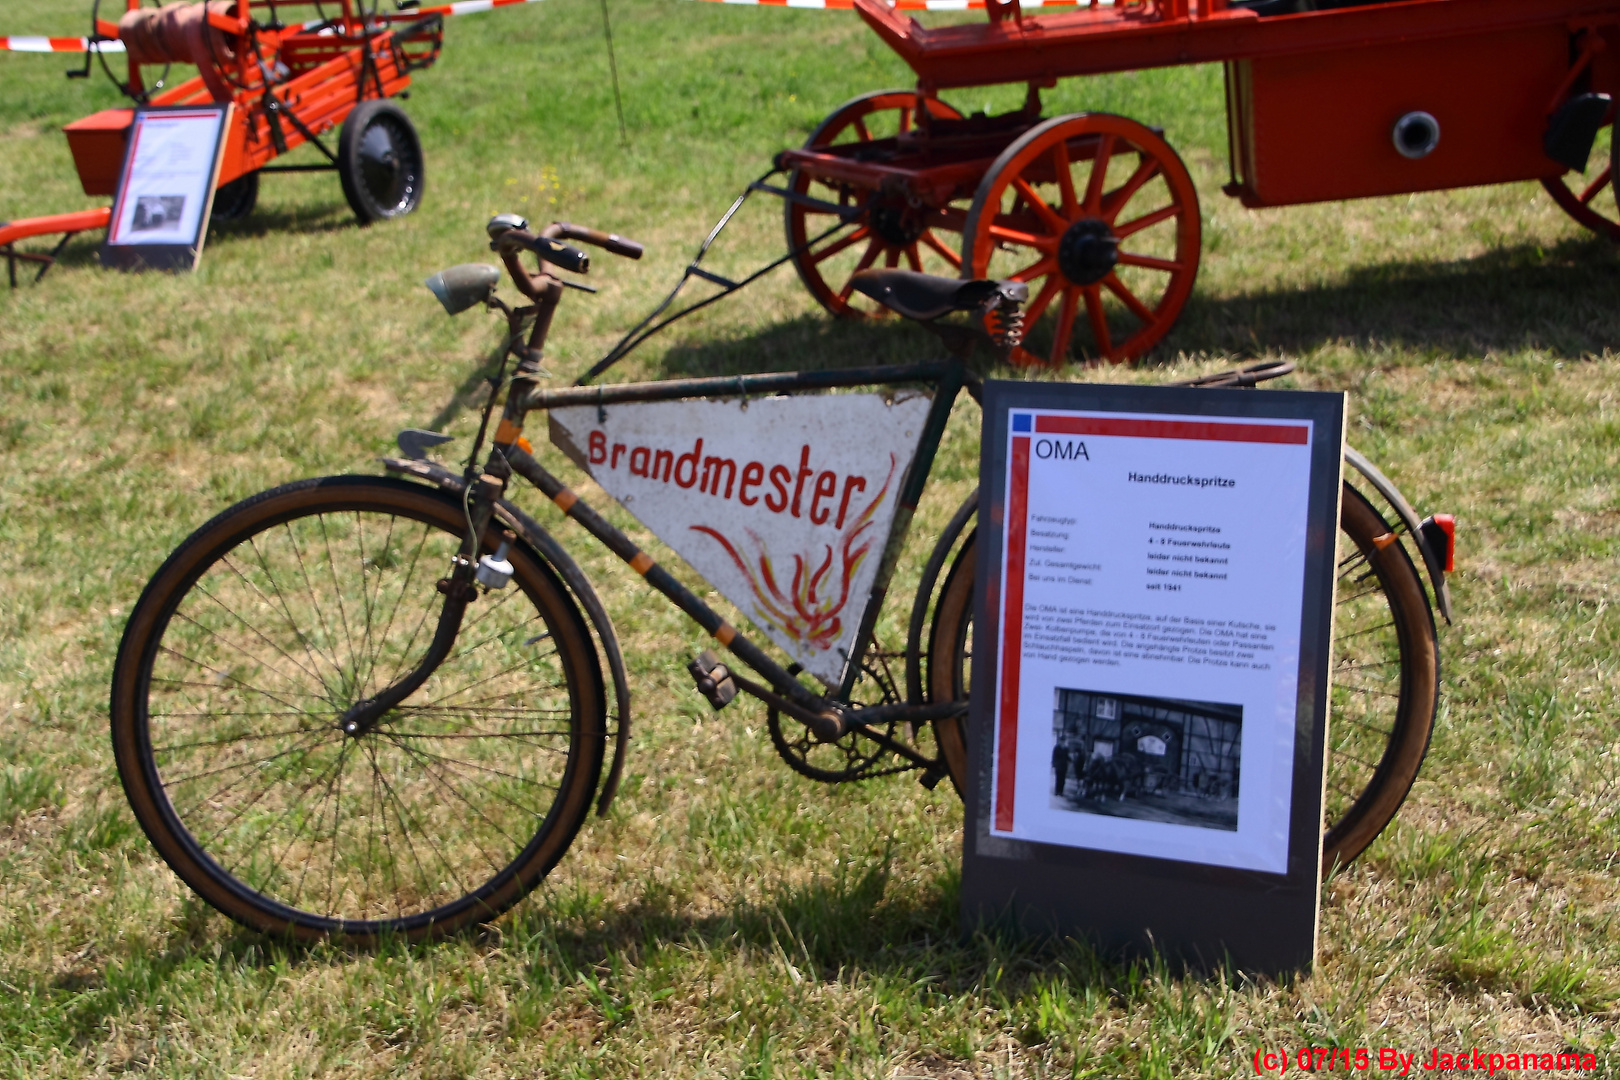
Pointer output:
x,y
1371,765
254,637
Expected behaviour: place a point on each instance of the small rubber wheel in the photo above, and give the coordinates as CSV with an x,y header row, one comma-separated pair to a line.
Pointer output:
x,y
380,162
272,620
1386,677
236,200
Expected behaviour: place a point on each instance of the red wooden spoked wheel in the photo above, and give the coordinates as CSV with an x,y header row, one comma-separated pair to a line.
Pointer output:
x,y
1591,198
1099,215
892,233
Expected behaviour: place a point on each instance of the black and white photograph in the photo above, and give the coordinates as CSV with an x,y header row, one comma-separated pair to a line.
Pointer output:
x,y
1146,758
157,213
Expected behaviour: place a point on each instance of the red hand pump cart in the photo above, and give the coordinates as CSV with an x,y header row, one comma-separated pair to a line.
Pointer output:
x,y
1326,100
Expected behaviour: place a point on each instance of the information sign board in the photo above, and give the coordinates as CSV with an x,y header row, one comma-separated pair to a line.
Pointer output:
x,y
1150,688
166,188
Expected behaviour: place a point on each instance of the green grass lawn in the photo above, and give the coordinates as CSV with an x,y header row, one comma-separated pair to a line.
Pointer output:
x,y
730,918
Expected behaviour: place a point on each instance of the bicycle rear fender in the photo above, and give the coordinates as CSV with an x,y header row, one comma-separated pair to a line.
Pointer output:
x,y
1433,564
537,537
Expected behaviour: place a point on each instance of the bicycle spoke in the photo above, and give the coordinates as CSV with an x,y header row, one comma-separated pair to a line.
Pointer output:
x,y
331,567
521,737
303,751
276,824
1362,689
437,775
309,587
231,645
379,816
399,816
489,678
331,786
233,613
286,610
495,772
362,661
227,740
404,590
231,565
233,679
1363,633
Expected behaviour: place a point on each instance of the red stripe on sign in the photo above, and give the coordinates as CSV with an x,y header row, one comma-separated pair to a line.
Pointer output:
x,y
1291,434
1012,636
114,234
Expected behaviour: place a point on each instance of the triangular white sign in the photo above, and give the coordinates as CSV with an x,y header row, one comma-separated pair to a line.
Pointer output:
x,y
783,504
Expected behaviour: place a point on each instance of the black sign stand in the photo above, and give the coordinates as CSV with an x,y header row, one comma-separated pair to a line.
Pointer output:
x,y
151,193
1199,914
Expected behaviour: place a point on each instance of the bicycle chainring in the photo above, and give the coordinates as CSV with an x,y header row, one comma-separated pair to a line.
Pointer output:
x,y
853,756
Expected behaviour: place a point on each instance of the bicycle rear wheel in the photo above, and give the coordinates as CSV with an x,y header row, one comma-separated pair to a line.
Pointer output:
x,y
1386,677
269,622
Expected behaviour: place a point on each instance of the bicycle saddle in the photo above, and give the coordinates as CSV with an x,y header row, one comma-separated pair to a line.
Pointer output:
x,y
926,297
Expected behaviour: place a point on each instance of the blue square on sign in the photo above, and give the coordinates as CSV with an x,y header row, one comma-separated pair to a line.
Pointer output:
x,y
1021,421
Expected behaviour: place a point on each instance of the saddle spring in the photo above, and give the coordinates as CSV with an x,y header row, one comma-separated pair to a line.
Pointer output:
x,y
1005,325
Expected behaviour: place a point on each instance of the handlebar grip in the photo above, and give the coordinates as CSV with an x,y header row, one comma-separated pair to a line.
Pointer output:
x,y
563,255
613,242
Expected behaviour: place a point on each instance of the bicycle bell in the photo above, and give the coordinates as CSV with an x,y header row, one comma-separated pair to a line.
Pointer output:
x,y
500,224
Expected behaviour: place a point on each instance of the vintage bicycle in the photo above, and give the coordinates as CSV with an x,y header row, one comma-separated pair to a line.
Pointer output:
x,y
370,706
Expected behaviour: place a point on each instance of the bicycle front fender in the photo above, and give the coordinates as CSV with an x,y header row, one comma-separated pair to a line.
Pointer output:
x,y
543,542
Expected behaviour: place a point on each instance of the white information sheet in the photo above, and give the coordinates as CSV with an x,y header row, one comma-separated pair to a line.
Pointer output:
x,y
168,178
1150,606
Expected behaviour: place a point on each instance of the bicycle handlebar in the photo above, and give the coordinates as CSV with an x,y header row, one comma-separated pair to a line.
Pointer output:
x,y
612,242
559,254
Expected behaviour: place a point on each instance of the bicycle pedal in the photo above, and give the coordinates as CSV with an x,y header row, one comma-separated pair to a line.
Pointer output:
x,y
713,679
930,778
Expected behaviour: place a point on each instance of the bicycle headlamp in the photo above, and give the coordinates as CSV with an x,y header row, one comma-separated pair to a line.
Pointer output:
x,y
460,287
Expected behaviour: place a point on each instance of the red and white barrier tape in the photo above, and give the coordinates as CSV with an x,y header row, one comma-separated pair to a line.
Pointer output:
x,y
78,44
56,44
460,7
904,5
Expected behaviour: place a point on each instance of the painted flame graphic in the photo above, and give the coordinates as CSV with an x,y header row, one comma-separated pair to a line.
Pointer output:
x,y
809,609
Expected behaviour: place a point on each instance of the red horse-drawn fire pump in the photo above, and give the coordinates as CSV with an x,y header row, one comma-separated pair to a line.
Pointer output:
x,y
1326,100
295,70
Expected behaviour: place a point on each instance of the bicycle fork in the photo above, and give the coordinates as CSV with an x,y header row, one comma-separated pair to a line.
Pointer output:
x,y
460,588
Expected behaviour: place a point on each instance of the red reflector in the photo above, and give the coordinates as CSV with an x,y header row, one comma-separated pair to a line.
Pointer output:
x,y
1448,525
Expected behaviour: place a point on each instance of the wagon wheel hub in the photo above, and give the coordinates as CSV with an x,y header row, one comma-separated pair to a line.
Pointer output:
x,y
898,224
1088,251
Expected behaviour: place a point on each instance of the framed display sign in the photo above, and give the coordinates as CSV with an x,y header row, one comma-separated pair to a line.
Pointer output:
x,y
1150,676
166,188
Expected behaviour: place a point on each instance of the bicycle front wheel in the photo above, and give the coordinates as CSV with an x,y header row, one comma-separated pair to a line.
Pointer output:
x,y
273,619
1386,677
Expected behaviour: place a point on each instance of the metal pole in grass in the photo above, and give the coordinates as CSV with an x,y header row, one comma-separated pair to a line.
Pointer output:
x,y
613,67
